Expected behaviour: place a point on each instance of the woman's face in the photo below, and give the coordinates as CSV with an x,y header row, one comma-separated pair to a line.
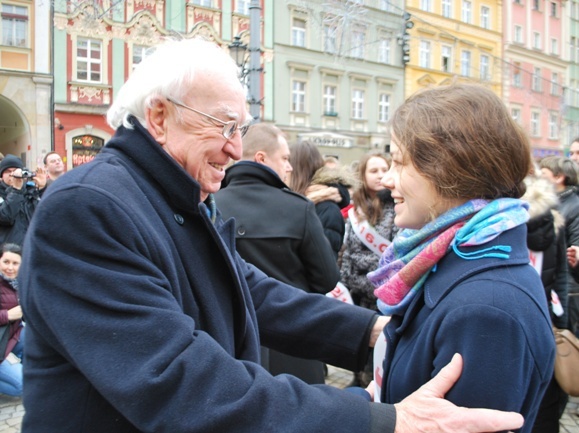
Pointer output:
x,y
376,168
416,200
9,264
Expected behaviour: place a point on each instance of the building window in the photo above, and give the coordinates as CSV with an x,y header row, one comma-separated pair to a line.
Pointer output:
x,y
446,61
384,108
299,96
484,67
426,5
465,63
555,84
536,4
14,26
385,51
447,8
243,6
516,115
537,80
358,42
554,46
535,124
572,45
386,5
485,17
298,32
553,129
424,54
206,3
517,77
518,34
519,2
330,100
537,40
330,39
358,104
554,9
466,11
88,60
139,53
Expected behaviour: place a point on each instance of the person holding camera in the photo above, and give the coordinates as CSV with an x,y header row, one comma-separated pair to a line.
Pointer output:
x,y
20,191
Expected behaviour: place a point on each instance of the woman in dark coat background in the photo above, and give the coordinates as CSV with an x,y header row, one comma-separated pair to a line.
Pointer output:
x,y
11,314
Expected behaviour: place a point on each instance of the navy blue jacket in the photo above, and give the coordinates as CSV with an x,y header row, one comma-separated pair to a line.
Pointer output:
x,y
141,317
493,312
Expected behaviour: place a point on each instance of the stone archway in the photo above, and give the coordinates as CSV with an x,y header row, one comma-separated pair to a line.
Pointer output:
x,y
14,130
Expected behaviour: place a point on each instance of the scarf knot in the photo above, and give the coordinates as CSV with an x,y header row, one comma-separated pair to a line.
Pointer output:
x,y
407,262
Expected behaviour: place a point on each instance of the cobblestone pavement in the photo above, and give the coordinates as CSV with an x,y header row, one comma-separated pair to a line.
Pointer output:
x,y
12,411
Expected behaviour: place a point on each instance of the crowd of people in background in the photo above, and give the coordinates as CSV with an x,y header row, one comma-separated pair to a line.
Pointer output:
x,y
220,266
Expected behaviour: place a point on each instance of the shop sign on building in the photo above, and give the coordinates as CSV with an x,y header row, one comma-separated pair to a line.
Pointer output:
x,y
327,139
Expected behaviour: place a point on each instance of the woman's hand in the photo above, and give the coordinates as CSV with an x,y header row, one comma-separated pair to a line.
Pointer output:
x,y
15,313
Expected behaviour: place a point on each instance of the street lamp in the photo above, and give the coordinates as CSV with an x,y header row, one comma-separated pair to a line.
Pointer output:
x,y
250,75
237,50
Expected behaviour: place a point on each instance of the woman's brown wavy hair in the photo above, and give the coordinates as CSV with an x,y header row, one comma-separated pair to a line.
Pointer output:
x,y
463,139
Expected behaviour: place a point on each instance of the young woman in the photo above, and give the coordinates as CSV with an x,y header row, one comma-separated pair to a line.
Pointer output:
x,y
11,313
369,229
457,276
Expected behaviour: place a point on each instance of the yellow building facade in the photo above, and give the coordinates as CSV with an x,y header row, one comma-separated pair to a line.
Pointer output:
x,y
453,40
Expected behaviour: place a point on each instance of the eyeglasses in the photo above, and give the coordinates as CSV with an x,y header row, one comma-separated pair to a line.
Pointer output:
x,y
229,128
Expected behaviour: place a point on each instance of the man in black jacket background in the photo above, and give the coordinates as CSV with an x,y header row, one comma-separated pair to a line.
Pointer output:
x,y
277,230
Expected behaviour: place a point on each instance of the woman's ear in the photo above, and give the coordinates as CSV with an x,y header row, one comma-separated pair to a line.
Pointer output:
x,y
156,118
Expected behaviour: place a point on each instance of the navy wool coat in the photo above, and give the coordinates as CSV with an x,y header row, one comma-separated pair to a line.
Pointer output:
x,y
141,317
493,312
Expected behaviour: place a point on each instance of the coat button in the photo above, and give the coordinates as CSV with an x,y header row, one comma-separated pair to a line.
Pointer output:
x,y
240,231
180,220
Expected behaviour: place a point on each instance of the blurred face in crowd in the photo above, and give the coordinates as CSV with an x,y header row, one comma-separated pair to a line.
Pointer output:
x,y
9,264
574,151
278,160
195,141
376,168
7,176
54,165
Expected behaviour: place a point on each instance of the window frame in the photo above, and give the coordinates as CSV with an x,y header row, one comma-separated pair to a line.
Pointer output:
x,y
384,107
358,102
298,96
19,26
298,34
89,61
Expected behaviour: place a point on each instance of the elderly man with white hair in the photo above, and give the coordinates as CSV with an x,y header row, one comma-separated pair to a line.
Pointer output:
x,y
141,316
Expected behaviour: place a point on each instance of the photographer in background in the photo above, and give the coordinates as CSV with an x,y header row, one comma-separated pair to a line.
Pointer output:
x,y
20,191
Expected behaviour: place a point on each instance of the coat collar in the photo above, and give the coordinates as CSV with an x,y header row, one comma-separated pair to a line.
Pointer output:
x,y
250,170
181,190
451,270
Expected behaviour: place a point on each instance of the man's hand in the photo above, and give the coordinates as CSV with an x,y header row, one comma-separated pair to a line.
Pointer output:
x,y
377,329
426,410
17,179
572,255
40,178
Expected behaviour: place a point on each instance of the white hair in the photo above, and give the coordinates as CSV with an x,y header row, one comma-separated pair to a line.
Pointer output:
x,y
169,72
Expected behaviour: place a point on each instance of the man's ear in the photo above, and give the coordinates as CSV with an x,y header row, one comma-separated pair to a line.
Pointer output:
x,y
560,179
260,157
156,118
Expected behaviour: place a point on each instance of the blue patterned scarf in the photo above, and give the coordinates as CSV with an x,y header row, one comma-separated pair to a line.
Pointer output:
x,y
407,262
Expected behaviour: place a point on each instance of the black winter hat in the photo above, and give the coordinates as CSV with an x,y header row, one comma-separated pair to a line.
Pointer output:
x,y
10,161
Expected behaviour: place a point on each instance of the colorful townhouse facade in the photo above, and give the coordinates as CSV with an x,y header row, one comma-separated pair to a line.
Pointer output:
x,y
454,41
536,70
337,73
25,80
97,44
570,112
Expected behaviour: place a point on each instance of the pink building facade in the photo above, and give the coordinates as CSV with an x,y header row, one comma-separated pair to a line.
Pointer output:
x,y
535,70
